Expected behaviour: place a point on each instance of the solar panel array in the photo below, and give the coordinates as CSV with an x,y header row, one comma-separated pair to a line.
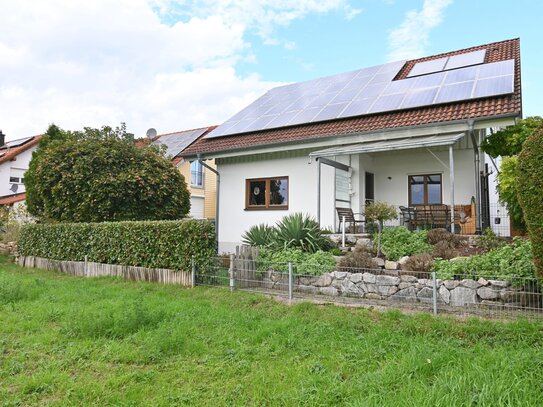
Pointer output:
x,y
367,91
177,142
447,63
16,143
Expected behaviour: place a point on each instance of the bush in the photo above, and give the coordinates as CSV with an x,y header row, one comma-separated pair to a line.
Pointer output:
x,y
300,231
509,260
380,212
419,262
530,192
305,263
443,250
359,258
438,235
155,244
399,242
489,240
259,235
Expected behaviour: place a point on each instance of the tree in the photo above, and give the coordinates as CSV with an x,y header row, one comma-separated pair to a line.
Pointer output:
x,y
507,143
98,175
380,212
530,192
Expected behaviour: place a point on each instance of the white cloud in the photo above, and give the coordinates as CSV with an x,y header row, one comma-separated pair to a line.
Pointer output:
x,y
411,38
89,63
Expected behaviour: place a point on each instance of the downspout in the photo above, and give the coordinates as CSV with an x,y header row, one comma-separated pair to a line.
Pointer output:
x,y
216,199
319,191
477,163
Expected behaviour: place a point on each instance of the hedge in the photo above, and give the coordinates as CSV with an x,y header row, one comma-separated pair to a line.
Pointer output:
x,y
530,192
153,244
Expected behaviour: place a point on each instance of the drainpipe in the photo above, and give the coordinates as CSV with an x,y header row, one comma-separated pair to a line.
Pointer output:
x,y
477,163
216,199
319,191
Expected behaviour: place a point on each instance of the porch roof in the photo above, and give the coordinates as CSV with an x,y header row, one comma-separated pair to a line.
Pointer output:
x,y
388,145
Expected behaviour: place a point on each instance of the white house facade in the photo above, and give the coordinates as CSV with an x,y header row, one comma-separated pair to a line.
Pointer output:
x,y
416,147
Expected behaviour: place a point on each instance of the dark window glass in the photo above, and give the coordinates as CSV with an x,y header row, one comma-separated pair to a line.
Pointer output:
x,y
279,192
257,193
425,189
14,180
417,190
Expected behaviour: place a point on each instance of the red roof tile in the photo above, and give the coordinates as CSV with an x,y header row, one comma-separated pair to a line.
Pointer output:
x,y
11,153
480,108
11,199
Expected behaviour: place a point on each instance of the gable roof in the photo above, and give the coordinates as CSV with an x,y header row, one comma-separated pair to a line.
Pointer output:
x,y
176,142
487,107
8,153
11,199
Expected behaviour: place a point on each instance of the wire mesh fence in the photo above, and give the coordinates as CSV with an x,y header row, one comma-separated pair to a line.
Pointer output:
x,y
459,294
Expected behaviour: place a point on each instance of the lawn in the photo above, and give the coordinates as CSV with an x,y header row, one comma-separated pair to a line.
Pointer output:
x,y
74,341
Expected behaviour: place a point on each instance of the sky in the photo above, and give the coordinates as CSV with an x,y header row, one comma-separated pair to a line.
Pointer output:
x,y
176,65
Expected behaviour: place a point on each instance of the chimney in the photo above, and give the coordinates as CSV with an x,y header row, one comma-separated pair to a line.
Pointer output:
x,y
2,138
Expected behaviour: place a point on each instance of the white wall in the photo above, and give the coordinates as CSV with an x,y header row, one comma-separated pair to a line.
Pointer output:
x,y
234,220
21,162
392,169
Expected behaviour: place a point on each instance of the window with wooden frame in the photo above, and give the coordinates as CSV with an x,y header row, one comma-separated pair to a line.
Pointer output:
x,y
425,189
266,193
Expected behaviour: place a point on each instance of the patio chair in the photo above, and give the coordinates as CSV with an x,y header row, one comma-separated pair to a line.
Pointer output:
x,y
440,216
407,217
349,217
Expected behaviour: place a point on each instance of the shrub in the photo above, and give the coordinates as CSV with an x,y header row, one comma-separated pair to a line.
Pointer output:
x,y
419,262
509,260
380,212
156,244
259,235
359,258
305,263
399,242
438,235
300,231
530,191
443,250
489,240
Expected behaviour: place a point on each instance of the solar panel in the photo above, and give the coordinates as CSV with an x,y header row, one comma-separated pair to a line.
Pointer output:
x,y
422,68
177,142
17,143
369,90
467,59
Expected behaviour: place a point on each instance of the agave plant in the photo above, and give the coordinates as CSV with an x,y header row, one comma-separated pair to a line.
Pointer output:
x,y
259,235
301,231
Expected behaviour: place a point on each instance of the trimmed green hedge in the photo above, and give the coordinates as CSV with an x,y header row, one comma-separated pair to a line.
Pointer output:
x,y
155,244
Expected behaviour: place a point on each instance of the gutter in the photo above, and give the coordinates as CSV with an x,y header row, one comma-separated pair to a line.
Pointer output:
x,y
201,161
477,164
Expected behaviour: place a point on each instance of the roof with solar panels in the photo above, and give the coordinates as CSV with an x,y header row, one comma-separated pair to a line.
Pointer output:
x,y
178,141
477,82
11,149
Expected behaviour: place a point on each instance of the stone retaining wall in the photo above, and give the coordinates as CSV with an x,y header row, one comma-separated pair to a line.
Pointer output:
x,y
395,286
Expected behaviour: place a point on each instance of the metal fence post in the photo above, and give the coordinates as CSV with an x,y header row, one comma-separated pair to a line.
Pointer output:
x,y
231,272
434,292
343,232
290,281
193,274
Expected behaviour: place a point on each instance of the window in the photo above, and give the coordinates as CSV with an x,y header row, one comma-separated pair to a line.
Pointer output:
x,y
266,193
197,174
16,175
425,189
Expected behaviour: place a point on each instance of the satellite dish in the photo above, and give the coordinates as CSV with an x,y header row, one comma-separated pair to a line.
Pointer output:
x,y
151,133
14,187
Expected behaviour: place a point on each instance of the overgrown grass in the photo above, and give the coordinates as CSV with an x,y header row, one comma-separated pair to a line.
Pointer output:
x,y
73,341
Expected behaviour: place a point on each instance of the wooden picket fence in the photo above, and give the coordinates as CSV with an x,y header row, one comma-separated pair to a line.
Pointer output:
x,y
91,269
244,264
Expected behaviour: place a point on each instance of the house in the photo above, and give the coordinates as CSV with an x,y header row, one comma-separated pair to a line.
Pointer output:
x,y
200,177
15,156
407,133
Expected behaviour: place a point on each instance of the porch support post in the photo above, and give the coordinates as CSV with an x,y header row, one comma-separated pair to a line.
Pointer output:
x,y
451,180
319,191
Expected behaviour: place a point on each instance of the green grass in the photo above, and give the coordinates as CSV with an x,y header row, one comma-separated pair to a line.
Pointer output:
x,y
73,341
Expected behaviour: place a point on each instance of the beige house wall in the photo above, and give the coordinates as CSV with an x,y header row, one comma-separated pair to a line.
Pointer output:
x,y
208,192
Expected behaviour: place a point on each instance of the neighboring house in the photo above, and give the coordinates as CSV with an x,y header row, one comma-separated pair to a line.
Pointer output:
x,y
15,156
407,133
201,181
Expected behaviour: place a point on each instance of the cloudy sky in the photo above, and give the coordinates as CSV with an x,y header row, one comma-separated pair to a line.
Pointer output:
x,y
176,65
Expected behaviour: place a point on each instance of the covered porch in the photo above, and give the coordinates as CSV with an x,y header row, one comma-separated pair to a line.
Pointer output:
x,y
434,181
